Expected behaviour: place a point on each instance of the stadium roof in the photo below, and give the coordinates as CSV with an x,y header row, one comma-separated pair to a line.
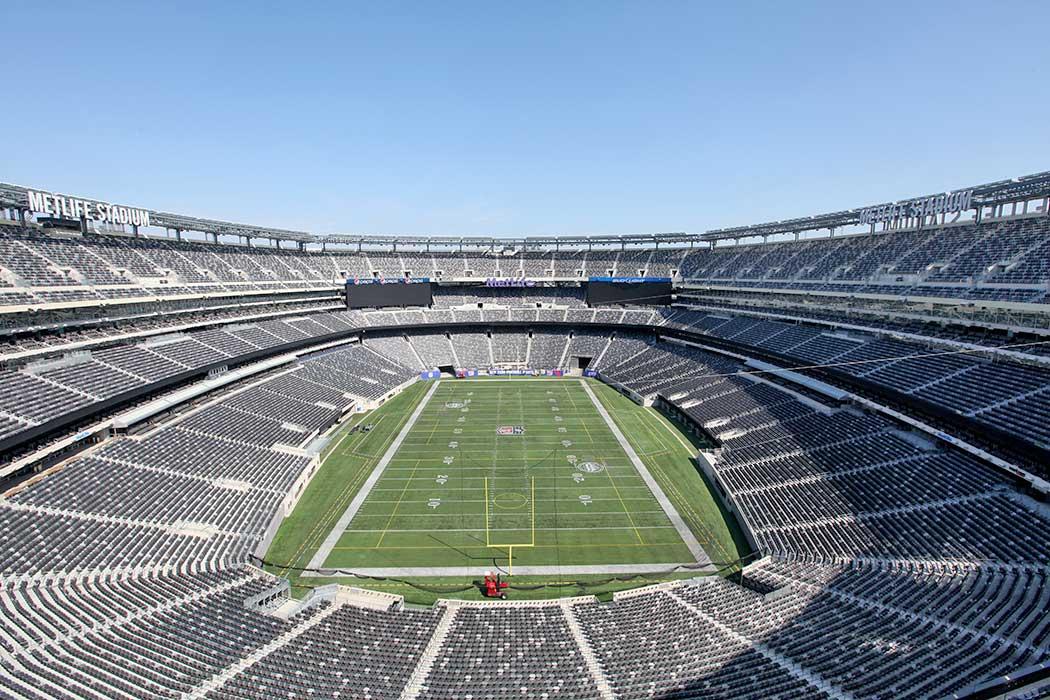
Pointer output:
x,y
989,194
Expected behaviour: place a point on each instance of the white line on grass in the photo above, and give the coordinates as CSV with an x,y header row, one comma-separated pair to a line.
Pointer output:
x,y
361,516
438,468
445,501
683,530
428,486
626,528
344,521
567,570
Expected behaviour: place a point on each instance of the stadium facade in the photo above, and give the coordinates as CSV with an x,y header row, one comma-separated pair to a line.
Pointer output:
x,y
873,385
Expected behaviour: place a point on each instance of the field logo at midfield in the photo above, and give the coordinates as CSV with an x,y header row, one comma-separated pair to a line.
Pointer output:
x,y
590,467
454,404
510,430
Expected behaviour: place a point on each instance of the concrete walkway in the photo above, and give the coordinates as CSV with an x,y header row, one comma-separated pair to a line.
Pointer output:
x,y
783,661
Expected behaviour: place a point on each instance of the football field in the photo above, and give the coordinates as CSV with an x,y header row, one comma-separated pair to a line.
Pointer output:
x,y
526,474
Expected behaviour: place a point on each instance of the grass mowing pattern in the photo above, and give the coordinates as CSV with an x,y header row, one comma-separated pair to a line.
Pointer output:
x,y
429,508
348,461
351,459
668,454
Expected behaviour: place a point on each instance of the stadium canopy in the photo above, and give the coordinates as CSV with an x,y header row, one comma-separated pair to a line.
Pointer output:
x,y
225,228
987,195
991,194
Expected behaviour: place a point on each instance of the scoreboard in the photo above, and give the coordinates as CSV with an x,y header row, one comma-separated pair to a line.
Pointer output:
x,y
628,290
379,293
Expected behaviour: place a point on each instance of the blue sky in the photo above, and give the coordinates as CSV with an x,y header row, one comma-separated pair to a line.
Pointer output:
x,y
524,118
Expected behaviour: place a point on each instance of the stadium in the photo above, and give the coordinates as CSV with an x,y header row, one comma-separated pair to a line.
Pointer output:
x,y
798,459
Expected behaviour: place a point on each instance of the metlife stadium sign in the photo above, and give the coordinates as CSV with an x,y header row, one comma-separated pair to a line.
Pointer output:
x,y
917,208
509,282
73,208
387,280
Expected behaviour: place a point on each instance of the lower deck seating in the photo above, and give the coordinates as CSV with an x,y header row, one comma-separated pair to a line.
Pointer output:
x,y
896,568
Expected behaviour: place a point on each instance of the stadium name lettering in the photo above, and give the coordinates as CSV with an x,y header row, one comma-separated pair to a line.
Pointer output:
x,y
509,282
387,280
916,208
73,208
631,280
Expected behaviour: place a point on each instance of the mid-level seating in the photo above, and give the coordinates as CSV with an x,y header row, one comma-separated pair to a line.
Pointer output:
x,y
897,567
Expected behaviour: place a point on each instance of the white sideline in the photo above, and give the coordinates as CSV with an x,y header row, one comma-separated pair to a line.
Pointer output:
x,y
683,530
552,570
332,540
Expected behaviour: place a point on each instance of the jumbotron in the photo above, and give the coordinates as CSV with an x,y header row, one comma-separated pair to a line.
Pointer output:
x,y
800,459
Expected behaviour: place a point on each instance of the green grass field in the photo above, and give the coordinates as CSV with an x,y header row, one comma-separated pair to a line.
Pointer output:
x,y
457,497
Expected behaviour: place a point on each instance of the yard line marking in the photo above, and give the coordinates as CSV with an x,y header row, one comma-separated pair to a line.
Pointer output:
x,y
346,493
648,498
589,545
426,485
608,475
581,514
623,467
487,513
676,569
683,529
397,505
515,529
332,540
688,506
623,505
